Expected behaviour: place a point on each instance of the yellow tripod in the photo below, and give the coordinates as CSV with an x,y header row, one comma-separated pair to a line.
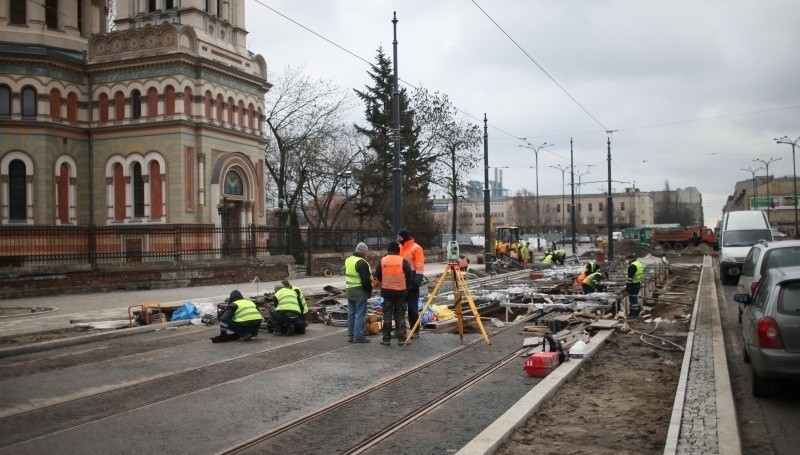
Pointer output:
x,y
459,289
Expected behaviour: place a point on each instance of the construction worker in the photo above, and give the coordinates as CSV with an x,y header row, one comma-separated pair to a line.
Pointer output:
x,y
415,255
300,326
633,283
241,318
548,258
594,282
394,274
284,317
591,267
524,254
463,263
358,282
559,256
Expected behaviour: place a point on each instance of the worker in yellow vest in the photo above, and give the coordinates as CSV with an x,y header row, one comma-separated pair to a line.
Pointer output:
x,y
240,320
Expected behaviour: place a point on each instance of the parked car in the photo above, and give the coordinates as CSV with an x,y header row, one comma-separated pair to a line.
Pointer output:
x,y
771,328
762,257
585,239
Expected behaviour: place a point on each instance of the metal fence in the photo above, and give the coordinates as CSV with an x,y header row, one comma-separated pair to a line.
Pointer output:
x,y
70,245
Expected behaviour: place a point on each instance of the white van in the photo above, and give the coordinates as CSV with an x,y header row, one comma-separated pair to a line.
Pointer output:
x,y
740,231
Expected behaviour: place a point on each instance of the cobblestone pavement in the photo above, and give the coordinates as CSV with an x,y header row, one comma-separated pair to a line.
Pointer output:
x,y
704,417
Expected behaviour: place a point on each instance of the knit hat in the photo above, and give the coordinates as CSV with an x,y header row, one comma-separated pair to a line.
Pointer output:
x,y
362,247
235,295
403,233
279,286
393,247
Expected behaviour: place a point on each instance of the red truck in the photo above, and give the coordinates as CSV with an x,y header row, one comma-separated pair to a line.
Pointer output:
x,y
678,238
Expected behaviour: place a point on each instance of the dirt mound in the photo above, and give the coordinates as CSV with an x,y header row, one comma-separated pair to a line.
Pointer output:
x,y
700,250
625,247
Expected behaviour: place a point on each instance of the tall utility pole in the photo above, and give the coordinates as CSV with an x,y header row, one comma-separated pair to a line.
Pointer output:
x,y
766,164
488,248
562,168
536,149
610,204
755,191
397,172
785,140
572,185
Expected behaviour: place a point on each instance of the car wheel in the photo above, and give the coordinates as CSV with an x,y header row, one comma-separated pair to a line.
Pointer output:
x,y
760,386
745,354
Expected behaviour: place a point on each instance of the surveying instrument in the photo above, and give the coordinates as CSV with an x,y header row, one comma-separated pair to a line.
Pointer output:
x,y
460,290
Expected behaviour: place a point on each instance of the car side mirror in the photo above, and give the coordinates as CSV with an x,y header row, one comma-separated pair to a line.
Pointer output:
x,y
742,298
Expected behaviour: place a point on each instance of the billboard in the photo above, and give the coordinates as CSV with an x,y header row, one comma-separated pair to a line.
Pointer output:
x,y
778,203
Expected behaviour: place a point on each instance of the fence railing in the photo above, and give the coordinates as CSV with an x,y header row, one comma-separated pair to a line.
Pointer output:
x,y
71,245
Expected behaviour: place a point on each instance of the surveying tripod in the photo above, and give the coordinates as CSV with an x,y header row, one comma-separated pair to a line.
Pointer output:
x,y
459,289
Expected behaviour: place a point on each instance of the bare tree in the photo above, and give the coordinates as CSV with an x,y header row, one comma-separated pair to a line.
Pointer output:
x,y
304,117
452,143
523,207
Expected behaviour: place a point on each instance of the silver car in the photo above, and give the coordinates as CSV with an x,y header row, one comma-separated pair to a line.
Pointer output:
x,y
762,257
771,328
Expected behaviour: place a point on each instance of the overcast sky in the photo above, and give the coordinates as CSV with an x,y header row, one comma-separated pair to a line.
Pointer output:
x,y
695,89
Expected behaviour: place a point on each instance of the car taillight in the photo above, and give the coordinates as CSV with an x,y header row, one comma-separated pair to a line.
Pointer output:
x,y
769,336
753,287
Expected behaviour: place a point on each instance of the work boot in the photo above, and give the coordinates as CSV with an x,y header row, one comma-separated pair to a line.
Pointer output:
x,y
246,337
361,340
386,342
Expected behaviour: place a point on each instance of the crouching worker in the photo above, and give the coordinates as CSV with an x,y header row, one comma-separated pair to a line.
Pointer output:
x,y
594,282
300,326
287,314
240,321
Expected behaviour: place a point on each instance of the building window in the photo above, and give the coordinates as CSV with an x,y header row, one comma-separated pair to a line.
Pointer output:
x,y
169,101
51,14
55,104
102,106
622,206
251,112
220,109
119,107
233,184
231,106
63,194
136,104
17,191
151,6
28,102
599,206
18,12
72,107
5,101
138,191
119,193
152,103
156,210
170,4
240,111
589,206
558,208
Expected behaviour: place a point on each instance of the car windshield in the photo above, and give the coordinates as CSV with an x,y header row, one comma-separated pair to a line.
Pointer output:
x,y
781,257
745,238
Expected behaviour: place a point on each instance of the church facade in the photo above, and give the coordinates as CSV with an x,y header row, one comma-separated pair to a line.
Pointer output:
x,y
156,120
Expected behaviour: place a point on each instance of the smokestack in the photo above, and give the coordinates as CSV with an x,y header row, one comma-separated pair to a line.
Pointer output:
x,y
501,180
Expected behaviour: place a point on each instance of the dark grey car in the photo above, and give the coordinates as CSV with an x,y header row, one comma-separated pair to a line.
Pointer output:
x,y
771,328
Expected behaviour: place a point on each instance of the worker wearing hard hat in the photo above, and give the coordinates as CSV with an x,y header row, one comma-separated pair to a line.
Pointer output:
x,y
594,282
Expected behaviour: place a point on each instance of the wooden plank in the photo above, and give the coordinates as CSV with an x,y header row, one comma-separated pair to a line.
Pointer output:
x,y
604,324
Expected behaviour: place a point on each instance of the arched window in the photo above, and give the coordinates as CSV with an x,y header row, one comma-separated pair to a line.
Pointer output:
x,y
169,101
152,103
155,191
231,106
251,112
5,100
17,191
72,107
119,106
102,106
55,104
220,103
136,104
119,193
208,102
28,102
63,193
138,191
240,111
187,102
233,184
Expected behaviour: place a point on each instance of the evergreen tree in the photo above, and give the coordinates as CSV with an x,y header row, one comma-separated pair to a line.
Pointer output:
x,y
375,180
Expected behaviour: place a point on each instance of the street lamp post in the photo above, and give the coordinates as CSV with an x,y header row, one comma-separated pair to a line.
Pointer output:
x,y
577,209
282,213
562,168
766,164
755,191
785,140
536,149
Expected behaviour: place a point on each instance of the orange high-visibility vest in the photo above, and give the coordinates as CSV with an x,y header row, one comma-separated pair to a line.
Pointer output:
x,y
392,276
413,253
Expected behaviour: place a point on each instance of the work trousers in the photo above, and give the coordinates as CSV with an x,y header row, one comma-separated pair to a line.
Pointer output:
x,y
633,297
587,289
394,309
356,316
240,328
412,303
280,321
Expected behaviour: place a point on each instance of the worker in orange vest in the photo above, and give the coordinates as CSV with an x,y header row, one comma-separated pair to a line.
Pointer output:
x,y
415,255
394,275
